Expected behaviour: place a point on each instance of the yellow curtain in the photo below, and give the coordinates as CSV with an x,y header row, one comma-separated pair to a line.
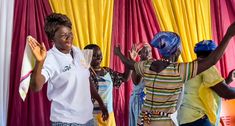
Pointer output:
x,y
91,20
191,19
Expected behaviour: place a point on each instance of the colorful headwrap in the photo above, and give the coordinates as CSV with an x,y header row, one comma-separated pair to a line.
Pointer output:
x,y
205,46
142,45
167,43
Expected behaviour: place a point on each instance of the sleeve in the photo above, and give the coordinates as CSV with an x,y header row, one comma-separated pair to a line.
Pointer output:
x,y
117,77
140,67
187,70
211,77
48,70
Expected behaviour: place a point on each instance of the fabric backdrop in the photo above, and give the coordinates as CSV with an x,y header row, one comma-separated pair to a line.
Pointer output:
x,y
106,23
91,22
223,14
28,20
190,19
134,21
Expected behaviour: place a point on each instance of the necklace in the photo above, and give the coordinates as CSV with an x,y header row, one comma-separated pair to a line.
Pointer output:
x,y
167,61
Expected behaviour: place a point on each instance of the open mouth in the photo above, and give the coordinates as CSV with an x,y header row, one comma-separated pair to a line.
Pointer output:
x,y
68,44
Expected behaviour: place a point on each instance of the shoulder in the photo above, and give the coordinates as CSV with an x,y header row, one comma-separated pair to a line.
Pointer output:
x,y
211,71
107,69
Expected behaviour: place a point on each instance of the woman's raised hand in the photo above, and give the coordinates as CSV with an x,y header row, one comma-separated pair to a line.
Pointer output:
x,y
39,50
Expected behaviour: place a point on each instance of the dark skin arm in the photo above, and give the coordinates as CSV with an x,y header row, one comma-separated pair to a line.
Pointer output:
x,y
37,79
96,96
212,59
203,65
222,88
135,78
156,66
128,63
127,74
39,51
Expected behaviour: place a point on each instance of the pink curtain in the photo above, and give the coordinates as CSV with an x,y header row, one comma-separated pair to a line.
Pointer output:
x,y
223,14
134,21
28,20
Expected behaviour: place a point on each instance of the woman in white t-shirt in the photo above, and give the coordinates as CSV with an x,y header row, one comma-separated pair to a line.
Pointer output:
x,y
65,70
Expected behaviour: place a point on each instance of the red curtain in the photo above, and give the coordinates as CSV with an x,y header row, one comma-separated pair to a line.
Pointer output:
x,y
28,20
134,21
223,14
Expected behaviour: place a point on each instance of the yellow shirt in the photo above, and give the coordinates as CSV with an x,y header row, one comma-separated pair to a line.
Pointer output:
x,y
199,99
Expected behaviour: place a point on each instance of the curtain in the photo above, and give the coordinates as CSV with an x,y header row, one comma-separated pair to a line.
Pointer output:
x,y
191,19
28,20
91,20
133,22
223,14
6,24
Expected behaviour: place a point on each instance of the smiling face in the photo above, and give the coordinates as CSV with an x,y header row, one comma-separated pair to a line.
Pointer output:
x,y
96,58
63,39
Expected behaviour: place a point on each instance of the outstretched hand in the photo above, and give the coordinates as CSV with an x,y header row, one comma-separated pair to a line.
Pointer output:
x,y
133,53
117,50
231,75
231,30
39,50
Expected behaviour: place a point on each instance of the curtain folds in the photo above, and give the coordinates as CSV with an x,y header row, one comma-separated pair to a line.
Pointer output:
x,y
28,20
106,23
134,21
223,14
191,19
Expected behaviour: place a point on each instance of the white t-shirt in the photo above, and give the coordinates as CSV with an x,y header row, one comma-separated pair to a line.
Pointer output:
x,y
68,86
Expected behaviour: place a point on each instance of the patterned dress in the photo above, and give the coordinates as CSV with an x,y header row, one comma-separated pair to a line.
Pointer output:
x,y
136,103
104,85
162,91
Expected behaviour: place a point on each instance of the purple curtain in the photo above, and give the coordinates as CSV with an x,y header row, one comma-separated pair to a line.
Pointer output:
x,y
28,20
134,21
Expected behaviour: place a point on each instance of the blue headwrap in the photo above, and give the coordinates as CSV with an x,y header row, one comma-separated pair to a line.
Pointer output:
x,y
167,43
205,46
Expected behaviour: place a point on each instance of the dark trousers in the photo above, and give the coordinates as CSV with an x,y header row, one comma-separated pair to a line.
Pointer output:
x,y
204,121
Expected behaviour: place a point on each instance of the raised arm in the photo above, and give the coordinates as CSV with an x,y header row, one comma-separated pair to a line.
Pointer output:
x,y
222,88
217,54
127,74
127,62
39,51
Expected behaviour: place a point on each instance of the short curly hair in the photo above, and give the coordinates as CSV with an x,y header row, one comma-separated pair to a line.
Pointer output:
x,y
91,46
53,23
